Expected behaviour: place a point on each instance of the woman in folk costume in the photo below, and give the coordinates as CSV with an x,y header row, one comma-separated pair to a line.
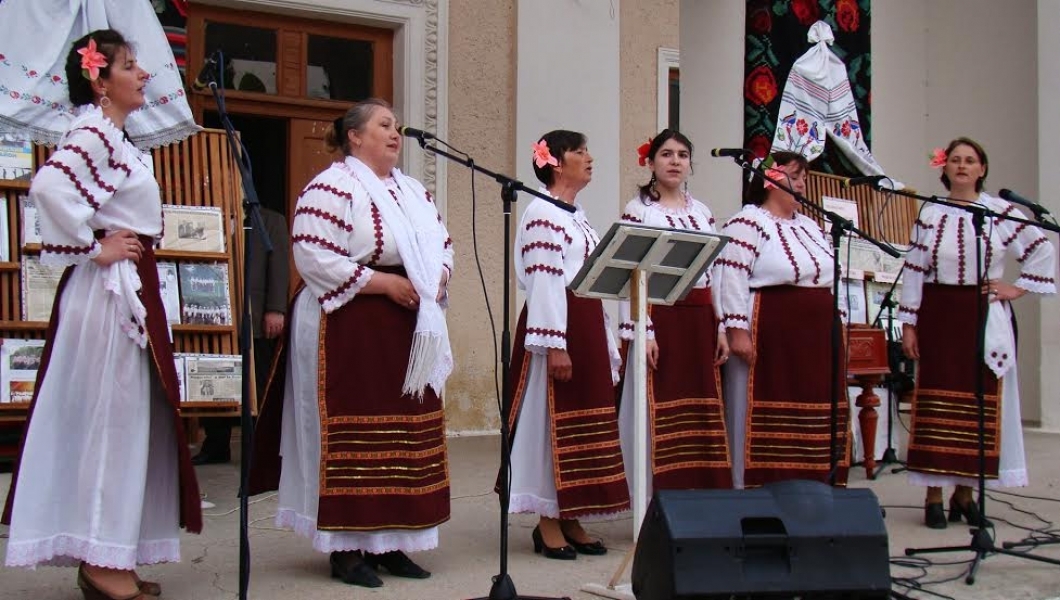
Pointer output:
x,y
353,404
104,479
773,281
938,310
688,447
566,456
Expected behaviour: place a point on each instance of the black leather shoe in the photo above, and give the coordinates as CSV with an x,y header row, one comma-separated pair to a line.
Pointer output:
x,y
969,511
352,569
397,564
561,553
205,458
934,516
595,548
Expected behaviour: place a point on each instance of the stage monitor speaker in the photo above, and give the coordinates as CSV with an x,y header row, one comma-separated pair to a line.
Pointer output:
x,y
789,539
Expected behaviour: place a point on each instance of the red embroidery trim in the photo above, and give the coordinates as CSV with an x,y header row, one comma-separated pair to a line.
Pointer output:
x,y
670,220
1030,249
695,224
110,150
734,317
544,269
916,268
816,239
919,246
627,326
1019,229
1036,278
448,243
543,246
345,286
393,195
377,226
91,166
938,242
960,251
749,223
550,225
319,241
906,309
64,249
816,265
788,252
326,188
923,225
547,332
745,244
630,218
733,264
74,180
316,212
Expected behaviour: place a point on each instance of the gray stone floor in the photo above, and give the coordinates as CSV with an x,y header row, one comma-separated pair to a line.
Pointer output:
x,y
285,566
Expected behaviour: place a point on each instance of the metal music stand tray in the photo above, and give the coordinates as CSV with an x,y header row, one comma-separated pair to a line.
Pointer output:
x,y
646,265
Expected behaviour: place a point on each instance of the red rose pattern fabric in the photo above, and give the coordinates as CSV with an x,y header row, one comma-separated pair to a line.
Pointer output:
x,y
775,37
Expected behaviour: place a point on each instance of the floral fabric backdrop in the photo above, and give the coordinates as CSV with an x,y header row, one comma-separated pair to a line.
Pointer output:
x,y
776,36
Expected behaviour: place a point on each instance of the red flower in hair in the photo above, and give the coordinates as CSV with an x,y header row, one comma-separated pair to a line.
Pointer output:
x,y
938,158
91,60
642,152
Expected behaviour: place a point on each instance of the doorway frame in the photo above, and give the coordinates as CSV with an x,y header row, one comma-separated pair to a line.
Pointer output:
x,y
420,59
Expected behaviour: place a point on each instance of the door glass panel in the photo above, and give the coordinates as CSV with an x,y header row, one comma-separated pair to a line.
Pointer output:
x,y
338,68
249,56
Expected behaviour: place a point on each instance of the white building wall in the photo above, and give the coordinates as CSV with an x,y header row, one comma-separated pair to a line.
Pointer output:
x,y
567,74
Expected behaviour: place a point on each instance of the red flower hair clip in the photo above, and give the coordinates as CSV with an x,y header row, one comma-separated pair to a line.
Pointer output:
x,y
642,152
92,60
938,158
542,155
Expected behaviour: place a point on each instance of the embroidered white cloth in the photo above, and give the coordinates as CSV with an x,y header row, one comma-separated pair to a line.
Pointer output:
x,y
418,234
693,216
817,104
942,250
34,103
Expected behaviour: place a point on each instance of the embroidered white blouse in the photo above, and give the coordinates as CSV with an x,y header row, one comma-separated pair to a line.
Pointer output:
x,y
764,251
942,250
551,246
338,236
693,216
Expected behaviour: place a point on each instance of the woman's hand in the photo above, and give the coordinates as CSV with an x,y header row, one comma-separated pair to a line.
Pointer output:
x,y
740,344
652,350
1001,290
910,347
400,290
559,365
120,245
721,352
442,285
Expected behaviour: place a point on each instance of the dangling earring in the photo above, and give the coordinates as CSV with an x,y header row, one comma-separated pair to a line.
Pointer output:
x,y
651,184
104,101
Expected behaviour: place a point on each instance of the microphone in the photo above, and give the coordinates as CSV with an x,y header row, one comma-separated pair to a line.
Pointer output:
x,y
732,153
207,73
412,132
872,180
1015,198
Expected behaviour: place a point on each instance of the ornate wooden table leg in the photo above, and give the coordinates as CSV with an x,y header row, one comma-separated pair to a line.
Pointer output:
x,y
867,401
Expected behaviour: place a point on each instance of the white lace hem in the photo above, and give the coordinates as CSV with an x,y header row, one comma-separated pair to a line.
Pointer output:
x,y
66,550
1006,479
377,542
531,504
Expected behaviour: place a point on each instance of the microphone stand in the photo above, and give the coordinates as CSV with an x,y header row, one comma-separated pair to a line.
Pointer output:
x,y
503,588
981,544
890,456
839,225
246,421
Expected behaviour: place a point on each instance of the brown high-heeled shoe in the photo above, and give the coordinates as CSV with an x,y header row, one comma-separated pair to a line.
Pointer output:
x,y
91,590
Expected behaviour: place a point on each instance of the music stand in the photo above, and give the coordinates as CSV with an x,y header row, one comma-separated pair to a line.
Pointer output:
x,y
646,265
